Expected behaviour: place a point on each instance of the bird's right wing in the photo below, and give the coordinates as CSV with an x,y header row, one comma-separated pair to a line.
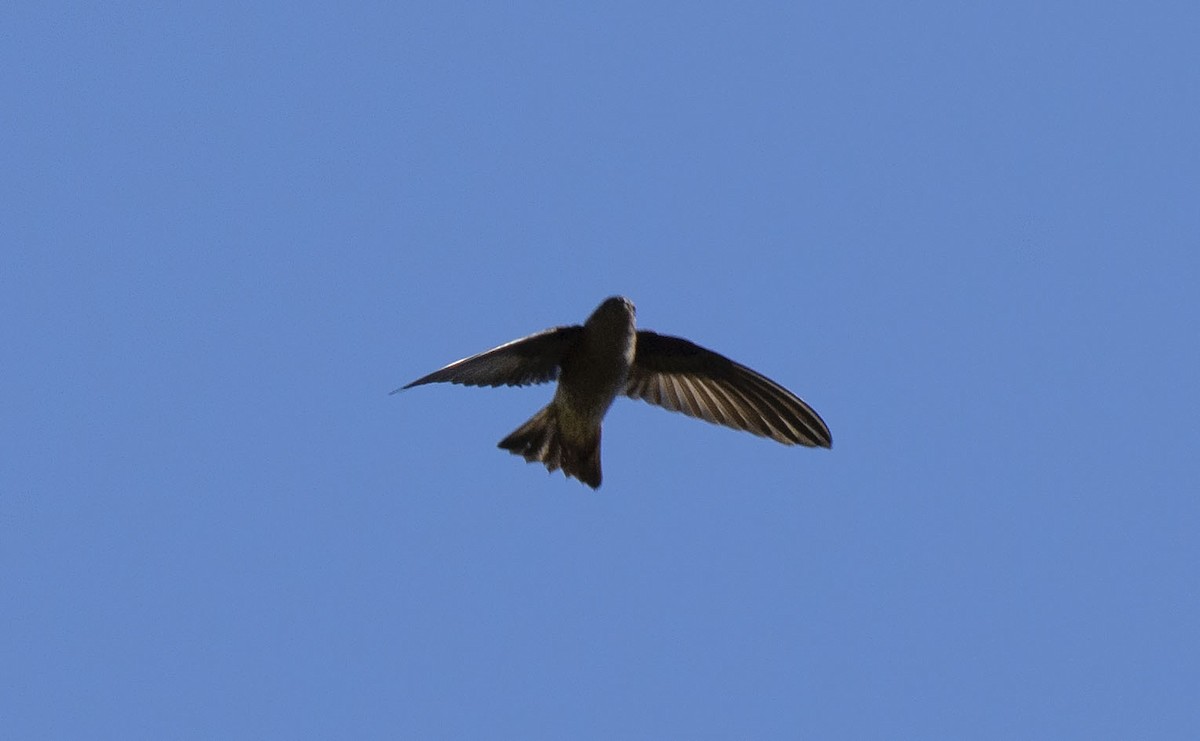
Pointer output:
x,y
532,359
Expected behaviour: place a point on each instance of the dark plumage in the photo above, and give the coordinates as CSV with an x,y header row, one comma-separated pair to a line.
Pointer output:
x,y
606,357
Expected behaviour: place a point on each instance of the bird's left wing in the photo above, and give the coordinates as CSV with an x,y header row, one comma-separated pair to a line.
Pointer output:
x,y
532,359
681,376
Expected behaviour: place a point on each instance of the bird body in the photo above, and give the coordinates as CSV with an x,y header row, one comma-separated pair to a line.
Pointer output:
x,y
607,357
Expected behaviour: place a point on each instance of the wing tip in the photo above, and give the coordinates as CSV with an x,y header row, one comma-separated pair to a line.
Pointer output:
x,y
419,382
822,437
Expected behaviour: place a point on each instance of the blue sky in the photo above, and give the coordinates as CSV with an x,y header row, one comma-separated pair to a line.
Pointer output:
x,y
966,234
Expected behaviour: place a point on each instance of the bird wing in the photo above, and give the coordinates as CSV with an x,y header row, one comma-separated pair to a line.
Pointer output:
x,y
532,359
683,377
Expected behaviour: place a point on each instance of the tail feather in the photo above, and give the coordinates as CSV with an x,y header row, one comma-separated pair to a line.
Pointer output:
x,y
541,439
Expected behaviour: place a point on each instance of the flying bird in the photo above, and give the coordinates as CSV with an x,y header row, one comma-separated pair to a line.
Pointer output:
x,y
607,357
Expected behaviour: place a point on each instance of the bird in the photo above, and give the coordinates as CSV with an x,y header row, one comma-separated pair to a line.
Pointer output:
x,y
607,357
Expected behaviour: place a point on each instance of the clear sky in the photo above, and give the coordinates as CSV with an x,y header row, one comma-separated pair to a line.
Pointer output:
x,y
966,233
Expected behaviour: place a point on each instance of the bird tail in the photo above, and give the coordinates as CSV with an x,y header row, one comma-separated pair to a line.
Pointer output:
x,y
541,439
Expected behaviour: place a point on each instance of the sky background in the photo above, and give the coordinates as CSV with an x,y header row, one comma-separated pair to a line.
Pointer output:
x,y
967,234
